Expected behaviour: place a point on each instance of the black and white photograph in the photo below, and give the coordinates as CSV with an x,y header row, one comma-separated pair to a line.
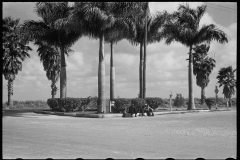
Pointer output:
x,y
119,80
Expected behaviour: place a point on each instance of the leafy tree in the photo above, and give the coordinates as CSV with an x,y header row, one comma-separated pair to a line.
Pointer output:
x,y
48,30
179,101
183,26
227,79
15,50
202,67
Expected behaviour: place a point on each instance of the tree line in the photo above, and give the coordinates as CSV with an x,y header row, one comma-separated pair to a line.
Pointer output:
x,y
61,25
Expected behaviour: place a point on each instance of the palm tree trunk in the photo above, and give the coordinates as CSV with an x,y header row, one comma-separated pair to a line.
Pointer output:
x,y
145,54
141,72
63,75
53,88
191,104
10,93
112,75
101,108
202,95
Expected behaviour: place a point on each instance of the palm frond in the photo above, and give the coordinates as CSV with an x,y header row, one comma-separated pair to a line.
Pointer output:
x,y
210,32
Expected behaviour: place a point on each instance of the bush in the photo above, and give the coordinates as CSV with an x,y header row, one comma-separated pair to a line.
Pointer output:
x,y
138,102
154,103
234,101
166,103
179,101
121,104
70,104
53,104
210,102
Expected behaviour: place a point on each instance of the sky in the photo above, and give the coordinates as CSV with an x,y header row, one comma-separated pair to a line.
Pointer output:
x,y
167,68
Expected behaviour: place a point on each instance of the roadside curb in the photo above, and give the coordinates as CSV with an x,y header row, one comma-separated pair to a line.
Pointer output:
x,y
109,115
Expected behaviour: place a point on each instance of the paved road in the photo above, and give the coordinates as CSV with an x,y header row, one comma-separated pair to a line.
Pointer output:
x,y
188,136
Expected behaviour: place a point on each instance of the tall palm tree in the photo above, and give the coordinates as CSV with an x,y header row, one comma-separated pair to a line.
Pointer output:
x,y
154,24
15,50
183,27
115,34
227,79
96,18
48,31
202,67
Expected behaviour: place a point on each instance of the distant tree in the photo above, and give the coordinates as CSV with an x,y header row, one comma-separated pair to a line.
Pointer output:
x,y
202,67
15,50
227,79
179,101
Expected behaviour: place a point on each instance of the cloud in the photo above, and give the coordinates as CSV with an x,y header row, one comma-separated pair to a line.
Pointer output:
x,y
170,6
167,68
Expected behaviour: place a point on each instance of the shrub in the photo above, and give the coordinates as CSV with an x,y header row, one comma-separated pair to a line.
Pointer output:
x,y
70,104
121,104
138,102
234,101
166,103
53,104
210,102
179,101
154,103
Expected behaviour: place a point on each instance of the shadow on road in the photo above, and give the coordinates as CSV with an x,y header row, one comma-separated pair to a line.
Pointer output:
x,y
18,113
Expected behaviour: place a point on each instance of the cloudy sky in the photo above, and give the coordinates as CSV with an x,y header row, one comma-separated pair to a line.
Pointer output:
x,y
167,69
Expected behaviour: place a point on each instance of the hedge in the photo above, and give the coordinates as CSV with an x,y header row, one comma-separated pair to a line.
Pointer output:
x,y
155,102
72,104
121,104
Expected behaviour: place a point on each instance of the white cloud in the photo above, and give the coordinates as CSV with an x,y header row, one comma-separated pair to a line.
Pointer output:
x,y
166,65
170,6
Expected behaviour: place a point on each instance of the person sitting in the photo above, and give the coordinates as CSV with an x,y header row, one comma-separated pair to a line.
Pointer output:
x,y
141,111
132,110
148,110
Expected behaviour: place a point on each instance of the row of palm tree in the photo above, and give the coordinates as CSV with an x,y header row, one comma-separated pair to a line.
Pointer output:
x,y
62,25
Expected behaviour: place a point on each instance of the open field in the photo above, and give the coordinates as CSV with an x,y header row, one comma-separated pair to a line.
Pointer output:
x,y
188,136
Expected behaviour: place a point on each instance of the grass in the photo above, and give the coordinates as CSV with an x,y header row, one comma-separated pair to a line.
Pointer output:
x,y
27,105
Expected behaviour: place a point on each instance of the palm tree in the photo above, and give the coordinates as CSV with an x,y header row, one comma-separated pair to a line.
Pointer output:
x,y
202,67
14,52
48,31
227,79
96,18
50,57
115,34
183,27
154,24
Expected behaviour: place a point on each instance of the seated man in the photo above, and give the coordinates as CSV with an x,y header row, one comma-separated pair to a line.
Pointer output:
x,y
141,110
148,110
132,110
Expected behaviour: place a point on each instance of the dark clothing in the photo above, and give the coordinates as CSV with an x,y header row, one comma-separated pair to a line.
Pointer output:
x,y
132,110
